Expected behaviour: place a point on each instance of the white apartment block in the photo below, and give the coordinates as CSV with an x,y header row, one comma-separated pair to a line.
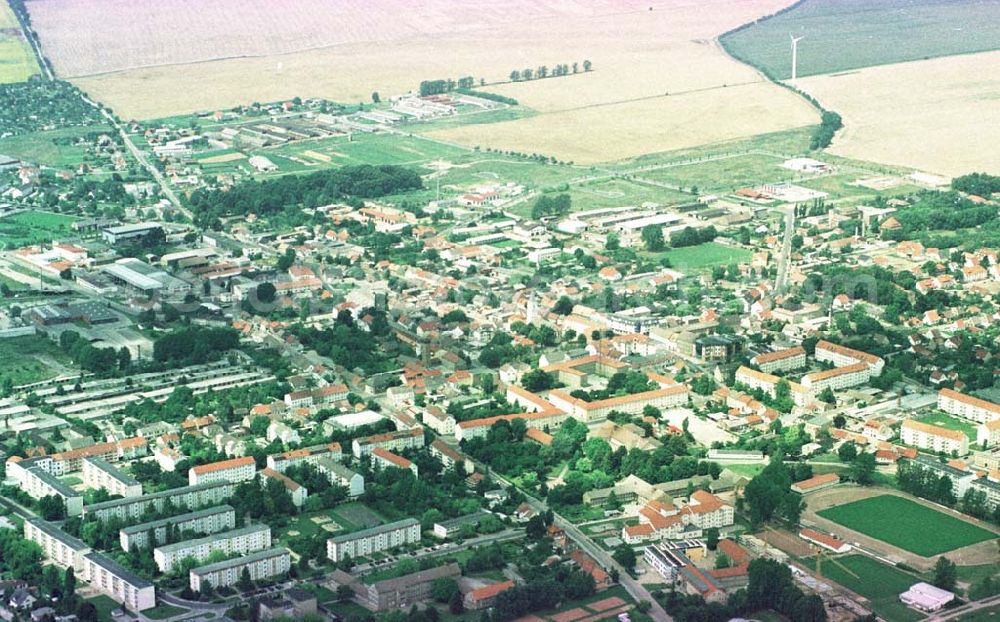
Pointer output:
x,y
58,546
990,486
449,456
243,541
757,380
340,475
205,521
439,421
837,378
842,357
108,577
33,476
297,491
967,406
368,541
475,428
988,434
386,459
99,473
234,470
261,565
934,438
189,497
782,360
393,441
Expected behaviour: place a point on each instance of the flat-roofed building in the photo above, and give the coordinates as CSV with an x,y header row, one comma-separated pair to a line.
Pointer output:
x,y
234,470
58,546
934,438
968,406
815,483
261,565
189,497
204,521
372,540
961,478
926,597
781,360
108,577
34,478
242,541
340,475
121,233
101,474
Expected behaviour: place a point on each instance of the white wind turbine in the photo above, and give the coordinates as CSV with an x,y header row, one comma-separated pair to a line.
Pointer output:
x,y
795,53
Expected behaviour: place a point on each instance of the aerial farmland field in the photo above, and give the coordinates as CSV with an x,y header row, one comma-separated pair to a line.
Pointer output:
x,y
851,34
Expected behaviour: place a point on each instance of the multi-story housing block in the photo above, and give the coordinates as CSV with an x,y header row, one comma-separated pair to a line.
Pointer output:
x,y
34,477
781,360
393,441
189,497
204,521
280,462
234,470
261,565
934,438
967,406
837,378
101,474
243,541
373,540
340,475
124,586
842,357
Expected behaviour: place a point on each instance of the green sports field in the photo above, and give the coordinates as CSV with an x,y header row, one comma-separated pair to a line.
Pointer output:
x,y
851,34
907,525
695,258
879,583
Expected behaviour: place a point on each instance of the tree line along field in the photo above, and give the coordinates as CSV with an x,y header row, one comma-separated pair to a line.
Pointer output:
x,y
851,34
17,63
908,525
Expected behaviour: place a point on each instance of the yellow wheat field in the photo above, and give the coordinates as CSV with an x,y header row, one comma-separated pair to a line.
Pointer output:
x,y
940,115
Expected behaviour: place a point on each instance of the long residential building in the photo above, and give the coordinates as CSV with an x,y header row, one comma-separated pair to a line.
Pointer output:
x,y
967,406
842,356
449,456
234,470
837,378
372,540
204,521
261,565
407,590
781,360
108,576
58,546
117,451
934,438
243,541
340,475
280,462
34,477
393,441
591,412
189,497
98,473
988,434
475,428
296,491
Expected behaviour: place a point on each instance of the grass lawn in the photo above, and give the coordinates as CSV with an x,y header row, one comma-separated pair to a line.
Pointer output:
x,y
725,175
323,595
696,258
104,606
622,193
875,581
839,35
17,63
356,516
40,148
32,227
19,359
945,420
983,615
163,612
912,527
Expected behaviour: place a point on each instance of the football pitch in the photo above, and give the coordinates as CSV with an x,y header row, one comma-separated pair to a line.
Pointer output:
x,y
907,525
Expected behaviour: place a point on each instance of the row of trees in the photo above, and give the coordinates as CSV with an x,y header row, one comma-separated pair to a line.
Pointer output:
x,y
447,85
543,71
349,183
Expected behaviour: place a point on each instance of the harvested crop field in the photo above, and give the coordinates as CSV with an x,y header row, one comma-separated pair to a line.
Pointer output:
x,y
950,124
169,59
